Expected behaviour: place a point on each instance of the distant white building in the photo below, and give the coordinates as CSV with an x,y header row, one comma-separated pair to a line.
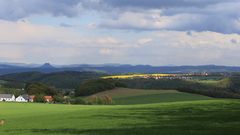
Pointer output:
x,y
7,97
22,98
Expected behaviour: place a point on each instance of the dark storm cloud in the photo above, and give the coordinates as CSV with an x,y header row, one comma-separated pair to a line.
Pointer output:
x,y
180,15
162,3
15,9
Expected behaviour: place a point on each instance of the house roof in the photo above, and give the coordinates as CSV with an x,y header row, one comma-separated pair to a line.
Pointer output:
x,y
6,95
25,96
32,97
48,97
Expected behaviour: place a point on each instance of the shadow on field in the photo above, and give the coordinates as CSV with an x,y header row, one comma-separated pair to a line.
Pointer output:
x,y
190,120
114,131
164,130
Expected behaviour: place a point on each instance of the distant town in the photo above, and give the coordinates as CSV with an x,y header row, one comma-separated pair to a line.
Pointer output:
x,y
188,76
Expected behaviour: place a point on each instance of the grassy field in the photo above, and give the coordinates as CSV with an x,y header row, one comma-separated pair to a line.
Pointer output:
x,y
209,117
123,96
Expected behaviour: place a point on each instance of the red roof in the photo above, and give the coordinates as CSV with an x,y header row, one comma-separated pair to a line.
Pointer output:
x,y
49,98
32,96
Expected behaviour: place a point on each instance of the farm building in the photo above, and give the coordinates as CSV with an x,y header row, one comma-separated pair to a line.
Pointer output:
x,y
22,98
32,98
7,97
48,98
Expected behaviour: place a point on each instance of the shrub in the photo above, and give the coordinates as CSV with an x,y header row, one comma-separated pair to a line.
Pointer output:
x,y
78,100
39,98
101,100
58,98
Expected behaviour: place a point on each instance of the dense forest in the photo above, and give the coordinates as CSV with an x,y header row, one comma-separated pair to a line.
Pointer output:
x,y
95,86
62,80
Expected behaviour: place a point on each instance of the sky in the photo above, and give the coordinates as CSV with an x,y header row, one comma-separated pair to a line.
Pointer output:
x,y
153,32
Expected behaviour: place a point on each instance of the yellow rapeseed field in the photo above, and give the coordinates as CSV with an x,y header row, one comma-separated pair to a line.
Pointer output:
x,y
135,75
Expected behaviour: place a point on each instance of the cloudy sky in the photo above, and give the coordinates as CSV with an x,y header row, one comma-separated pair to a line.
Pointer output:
x,y
155,32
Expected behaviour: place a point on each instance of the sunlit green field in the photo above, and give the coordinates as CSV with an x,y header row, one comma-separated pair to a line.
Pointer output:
x,y
208,117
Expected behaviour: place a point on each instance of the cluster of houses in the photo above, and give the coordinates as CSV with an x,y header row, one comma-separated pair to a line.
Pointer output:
x,y
170,77
22,98
174,76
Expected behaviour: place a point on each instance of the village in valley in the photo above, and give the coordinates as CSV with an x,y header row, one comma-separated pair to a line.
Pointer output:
x,y
23,98
187,76
56,96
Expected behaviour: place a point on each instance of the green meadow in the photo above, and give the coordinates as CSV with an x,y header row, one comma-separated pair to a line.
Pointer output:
x,y
205,117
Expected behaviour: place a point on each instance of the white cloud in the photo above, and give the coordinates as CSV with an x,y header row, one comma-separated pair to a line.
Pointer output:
x,y
105,51
24,32
199,47
144,41
152,20
26,42
200,39
23,41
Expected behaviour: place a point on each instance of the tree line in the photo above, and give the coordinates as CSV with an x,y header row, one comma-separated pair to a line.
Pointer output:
x,y
230,90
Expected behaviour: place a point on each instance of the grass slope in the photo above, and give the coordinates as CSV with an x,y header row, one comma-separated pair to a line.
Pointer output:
x,y
123,96
158,98
125,92
214,117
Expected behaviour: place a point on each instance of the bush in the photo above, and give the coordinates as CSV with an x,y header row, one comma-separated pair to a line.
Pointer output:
x,y
58,98
78,100
39,98
102,100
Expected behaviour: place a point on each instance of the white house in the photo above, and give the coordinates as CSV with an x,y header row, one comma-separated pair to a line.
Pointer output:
x,y
7,97
22,98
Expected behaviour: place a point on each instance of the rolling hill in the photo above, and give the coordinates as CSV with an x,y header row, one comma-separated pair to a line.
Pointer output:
x,y
125,96
8,68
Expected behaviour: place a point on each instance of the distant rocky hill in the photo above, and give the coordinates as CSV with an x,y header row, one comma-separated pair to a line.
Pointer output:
x,y
115,68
